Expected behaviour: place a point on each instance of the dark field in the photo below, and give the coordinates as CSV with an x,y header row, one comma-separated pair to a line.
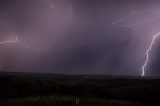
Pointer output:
x,y
29,89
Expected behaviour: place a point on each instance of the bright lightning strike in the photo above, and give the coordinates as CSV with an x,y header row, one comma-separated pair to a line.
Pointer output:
x,y
157,17
147,53
10,41
16,40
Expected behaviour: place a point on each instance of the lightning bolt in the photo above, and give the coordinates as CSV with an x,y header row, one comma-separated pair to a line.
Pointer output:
x,y
10,41
123,19
147,53
16,40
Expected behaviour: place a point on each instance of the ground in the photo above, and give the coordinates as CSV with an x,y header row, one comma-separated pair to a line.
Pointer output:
x,y
28,89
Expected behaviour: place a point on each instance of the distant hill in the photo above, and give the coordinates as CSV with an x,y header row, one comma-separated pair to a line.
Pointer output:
x,y
68,76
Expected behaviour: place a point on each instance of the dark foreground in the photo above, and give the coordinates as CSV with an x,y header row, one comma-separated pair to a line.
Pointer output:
x,y
28,89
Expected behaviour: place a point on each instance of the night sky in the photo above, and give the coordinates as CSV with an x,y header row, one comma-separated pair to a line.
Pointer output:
x,y
107,37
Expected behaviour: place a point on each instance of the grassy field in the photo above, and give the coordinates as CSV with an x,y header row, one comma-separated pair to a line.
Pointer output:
x,y
52,100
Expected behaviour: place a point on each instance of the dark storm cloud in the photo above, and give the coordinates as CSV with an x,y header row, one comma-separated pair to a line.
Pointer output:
x,y
78,36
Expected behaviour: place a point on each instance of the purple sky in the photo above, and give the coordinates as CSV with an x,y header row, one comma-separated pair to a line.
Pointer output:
x,y
80,36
